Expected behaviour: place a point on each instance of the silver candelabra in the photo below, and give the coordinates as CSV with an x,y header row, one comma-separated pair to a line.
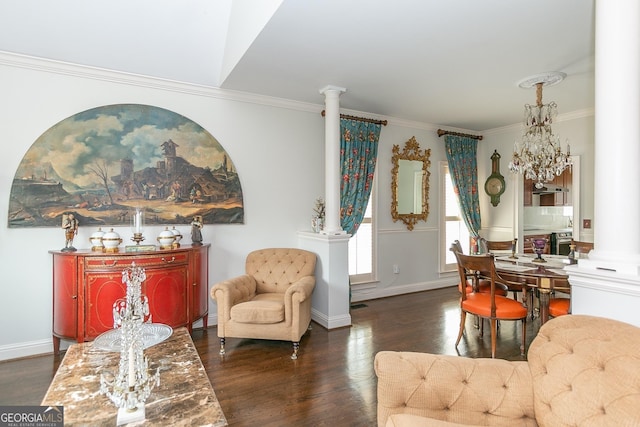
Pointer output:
x,y
132,385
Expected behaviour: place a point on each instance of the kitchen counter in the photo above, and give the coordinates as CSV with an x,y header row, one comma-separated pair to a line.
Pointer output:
x,y
532,231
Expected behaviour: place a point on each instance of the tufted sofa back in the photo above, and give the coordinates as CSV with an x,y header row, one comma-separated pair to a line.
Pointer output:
x,y
275,269
586,371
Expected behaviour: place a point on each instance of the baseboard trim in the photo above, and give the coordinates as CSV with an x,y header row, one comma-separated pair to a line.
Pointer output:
x,y
26,349
369,293
330,323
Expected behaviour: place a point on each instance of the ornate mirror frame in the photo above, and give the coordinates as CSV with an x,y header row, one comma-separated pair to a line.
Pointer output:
x,y
411,151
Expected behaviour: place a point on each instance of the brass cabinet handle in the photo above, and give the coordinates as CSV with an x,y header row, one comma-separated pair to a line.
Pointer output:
x,y
113,264
170,261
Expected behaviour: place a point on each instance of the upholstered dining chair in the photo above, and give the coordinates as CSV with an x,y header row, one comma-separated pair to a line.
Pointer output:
x,y
487,305
271,301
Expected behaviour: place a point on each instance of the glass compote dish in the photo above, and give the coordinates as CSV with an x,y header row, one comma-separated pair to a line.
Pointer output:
x,y
538,248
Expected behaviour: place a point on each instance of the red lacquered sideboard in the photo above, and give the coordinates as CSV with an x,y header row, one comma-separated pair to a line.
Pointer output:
x,y
86,284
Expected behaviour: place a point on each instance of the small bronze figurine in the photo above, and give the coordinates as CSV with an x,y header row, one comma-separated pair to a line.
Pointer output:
x,y
70,226
196,230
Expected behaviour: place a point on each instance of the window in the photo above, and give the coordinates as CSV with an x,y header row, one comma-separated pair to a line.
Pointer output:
x,y
451,222
362,247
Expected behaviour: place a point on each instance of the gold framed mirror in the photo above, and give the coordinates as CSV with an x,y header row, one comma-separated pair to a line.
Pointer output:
x,y
410,183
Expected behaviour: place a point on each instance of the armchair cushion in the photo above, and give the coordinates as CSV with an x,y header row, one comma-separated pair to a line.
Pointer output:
x,y
263,308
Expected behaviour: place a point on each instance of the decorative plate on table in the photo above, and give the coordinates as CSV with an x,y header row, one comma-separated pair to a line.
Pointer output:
x,y
152,334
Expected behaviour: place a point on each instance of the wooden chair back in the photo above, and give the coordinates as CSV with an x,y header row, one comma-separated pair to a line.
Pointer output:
x,y
475,267
582,247
456,247
487,246
501,245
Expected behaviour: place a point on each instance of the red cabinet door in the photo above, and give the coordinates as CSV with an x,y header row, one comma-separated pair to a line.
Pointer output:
x,y
166,289
65,297
102,290
201,285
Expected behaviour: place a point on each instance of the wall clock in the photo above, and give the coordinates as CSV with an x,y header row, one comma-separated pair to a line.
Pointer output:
x,y
494,185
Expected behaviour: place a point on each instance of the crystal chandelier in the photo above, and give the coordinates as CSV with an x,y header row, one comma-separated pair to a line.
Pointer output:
x,y
539,156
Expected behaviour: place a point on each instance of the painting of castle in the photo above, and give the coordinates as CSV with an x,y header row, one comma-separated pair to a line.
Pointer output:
x,y
103,163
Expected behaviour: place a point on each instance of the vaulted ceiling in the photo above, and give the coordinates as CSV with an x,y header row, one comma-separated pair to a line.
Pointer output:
x,y
453,63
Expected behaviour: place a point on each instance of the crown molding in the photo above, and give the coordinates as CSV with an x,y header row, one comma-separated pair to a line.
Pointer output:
x,y
15,60
129,79
578,114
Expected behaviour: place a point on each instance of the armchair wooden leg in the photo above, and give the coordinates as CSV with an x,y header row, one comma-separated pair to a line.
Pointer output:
x,y
221,346
296,347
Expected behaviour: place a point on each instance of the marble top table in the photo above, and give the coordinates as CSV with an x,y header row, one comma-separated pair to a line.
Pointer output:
x,y
184,397
545,277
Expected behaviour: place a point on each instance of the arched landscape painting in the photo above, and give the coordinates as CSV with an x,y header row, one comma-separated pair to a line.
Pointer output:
x,y
103,163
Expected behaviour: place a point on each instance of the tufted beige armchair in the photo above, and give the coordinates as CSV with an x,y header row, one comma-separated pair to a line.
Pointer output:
x,y
581,371
271,301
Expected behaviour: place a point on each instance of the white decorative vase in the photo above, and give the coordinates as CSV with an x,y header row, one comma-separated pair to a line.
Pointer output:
x,y
111,241
96,240
166,239
177,235
317,224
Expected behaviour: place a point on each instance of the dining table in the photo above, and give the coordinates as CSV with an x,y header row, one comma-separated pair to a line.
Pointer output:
x,y
542,277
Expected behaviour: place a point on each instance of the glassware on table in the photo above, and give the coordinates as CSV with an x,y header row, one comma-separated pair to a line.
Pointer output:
x,y
538,248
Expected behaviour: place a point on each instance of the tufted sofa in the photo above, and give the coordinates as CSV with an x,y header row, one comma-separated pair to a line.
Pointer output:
x,y
581,371
272,300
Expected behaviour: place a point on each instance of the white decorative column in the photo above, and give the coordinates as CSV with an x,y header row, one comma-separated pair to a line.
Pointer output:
x,y
608,283
330,302
332,159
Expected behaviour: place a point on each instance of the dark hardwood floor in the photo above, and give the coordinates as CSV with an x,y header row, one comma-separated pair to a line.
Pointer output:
x,y
331,384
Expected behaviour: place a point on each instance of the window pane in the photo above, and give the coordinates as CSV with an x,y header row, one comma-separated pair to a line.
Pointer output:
x,y
454,226
361,247
454,231
360,250
452,207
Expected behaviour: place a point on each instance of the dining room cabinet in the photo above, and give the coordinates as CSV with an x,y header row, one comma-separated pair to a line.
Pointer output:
x,y
528,192
87,283
560,198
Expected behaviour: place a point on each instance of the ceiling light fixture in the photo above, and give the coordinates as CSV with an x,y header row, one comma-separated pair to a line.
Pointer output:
x,y
539,156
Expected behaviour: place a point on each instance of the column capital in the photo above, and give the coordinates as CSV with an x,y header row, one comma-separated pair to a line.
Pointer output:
x,y
332,89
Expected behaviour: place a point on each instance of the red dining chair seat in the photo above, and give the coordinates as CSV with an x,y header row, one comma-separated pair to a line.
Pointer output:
x,y
506,308
559,306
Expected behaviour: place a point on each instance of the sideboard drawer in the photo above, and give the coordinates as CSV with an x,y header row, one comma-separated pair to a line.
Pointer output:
x,y
145,261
